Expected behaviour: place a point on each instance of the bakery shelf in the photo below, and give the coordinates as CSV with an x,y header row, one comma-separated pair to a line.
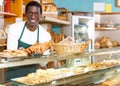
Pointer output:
x,y
8,14
40,59
53,21
107,13
106,29
83,79
3,45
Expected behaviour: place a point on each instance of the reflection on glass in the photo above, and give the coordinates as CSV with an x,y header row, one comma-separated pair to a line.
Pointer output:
x,y
80,32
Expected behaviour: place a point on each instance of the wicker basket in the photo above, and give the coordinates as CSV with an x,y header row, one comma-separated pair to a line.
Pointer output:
x,y
49,10
71,48
62,14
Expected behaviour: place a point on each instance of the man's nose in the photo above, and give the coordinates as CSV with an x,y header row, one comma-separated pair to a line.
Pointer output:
x,y
33,15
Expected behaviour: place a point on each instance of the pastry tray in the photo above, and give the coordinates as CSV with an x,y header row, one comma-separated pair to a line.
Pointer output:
x,y
81,79
8,59
67,55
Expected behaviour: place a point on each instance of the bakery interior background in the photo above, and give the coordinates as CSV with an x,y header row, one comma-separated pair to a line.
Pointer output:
x,y
82,6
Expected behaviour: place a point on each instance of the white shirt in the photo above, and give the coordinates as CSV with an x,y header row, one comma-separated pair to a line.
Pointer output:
x,y
29,37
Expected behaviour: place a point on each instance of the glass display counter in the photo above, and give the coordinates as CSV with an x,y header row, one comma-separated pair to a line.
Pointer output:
x,y
71,79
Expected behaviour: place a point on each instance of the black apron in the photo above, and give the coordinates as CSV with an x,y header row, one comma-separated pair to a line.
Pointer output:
x,y
20,71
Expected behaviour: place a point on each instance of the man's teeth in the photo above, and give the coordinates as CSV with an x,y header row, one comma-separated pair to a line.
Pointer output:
x,y
32,20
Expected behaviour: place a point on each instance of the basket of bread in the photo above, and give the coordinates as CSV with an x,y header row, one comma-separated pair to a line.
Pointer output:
x,y
105,42
49,10
68,45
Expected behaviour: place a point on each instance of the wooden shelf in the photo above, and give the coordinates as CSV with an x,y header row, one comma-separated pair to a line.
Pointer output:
x,y
103,29
105,13
3,45
55,21
7,14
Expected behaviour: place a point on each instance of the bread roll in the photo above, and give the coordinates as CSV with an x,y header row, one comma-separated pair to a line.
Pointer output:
x,y
115,43
104,39
97,45
13,53
109,44
103,45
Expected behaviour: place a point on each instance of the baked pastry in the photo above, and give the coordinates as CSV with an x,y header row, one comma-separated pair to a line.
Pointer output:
x,y
115,43
111,82
103,45
13,53
97,45
39,48
104,39
109,44
105,42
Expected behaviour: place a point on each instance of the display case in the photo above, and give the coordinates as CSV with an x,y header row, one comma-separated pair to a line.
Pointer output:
x,y
106,24
15,15
85,78
90,75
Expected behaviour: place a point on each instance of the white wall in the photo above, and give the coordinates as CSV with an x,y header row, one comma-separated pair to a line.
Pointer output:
x,y
113,34
115,18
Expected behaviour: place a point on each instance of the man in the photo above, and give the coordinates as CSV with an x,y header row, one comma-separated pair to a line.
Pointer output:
x,y
23,35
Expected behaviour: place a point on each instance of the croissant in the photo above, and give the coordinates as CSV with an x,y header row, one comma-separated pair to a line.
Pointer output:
x,y
39,47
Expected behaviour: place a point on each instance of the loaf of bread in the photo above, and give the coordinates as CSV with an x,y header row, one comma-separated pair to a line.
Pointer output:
x,y
13,53
104,39
111,82
39,48
115,43
105,42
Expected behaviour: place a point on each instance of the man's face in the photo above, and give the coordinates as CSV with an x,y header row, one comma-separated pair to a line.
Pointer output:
x,y
33,15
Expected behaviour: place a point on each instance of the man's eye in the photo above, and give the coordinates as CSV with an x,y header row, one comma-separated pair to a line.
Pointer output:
x,y
36,14
30,14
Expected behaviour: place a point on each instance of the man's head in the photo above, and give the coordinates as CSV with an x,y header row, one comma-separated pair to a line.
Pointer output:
x,y
33,3
33,13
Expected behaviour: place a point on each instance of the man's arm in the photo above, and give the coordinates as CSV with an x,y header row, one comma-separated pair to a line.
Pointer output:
x,y
12,40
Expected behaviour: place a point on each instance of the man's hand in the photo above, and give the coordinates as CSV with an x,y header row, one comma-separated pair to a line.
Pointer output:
x,y
21,48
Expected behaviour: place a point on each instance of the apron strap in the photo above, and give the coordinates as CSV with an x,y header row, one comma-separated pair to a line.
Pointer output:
x,y
22,31
38,34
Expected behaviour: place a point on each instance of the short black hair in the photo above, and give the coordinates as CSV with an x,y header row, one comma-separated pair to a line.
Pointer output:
x,y
33,3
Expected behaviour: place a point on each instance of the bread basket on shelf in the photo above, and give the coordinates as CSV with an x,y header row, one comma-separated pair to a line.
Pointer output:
x,y
70,47
49,10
